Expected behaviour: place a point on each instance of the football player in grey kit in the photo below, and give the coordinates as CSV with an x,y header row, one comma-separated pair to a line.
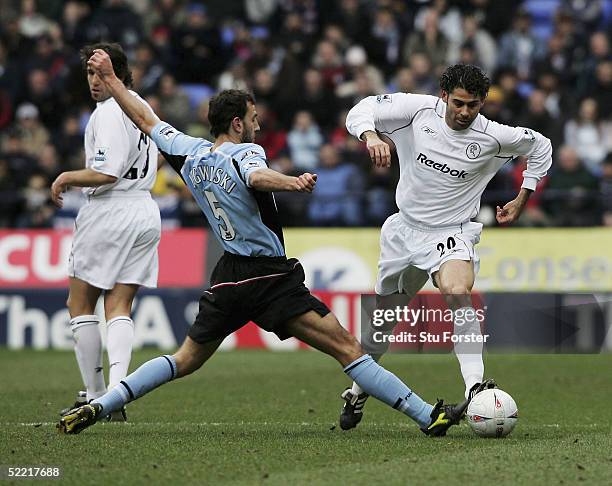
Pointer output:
x,y
448,152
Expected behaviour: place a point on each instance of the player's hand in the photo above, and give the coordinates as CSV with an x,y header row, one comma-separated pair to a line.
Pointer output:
x,y
306,182
57,188
101,63
510,212
380,152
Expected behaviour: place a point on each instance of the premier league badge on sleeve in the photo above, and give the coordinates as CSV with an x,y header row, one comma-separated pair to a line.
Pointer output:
x,y
381,98
100,154
473,151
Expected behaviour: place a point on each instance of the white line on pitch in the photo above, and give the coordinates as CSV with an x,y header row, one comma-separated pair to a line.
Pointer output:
x,y
293,424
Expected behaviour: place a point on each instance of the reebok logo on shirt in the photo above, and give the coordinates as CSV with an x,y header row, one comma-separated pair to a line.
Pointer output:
x,y
445,169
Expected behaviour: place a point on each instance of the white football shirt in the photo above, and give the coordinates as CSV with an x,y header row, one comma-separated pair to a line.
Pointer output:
x,y
115,146
443,172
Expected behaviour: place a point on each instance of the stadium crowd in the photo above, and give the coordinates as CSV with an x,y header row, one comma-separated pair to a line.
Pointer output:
x,y
308,62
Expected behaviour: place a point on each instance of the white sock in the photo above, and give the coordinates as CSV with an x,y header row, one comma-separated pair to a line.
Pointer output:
x,y
469,354
119,340
88,350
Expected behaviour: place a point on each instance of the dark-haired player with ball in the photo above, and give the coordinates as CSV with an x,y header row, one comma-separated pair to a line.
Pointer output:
x,y
448,152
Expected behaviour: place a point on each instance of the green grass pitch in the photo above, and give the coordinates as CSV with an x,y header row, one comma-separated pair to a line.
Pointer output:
x,y
250,417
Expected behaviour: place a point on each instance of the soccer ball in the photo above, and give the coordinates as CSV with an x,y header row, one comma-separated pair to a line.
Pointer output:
x,y
492,413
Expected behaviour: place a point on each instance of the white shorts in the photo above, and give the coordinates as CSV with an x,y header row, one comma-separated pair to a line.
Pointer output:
x,y
115,240
410,254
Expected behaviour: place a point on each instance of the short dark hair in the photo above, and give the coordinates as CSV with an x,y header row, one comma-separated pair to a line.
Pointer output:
x,y
467,76
117,56
225,106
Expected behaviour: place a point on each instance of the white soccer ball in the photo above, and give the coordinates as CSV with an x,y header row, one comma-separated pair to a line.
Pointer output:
x,y
492,413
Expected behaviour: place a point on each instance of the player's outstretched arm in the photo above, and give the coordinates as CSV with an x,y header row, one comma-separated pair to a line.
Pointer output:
x,y
78,178
140,114
269,180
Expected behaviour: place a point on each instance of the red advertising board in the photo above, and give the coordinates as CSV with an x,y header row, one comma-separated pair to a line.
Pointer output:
x,y
39,258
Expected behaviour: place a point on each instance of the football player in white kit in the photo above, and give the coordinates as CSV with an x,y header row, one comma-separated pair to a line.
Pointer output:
x,y
448,152
116,232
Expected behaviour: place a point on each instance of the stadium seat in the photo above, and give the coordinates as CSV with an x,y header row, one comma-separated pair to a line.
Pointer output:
x,y
197,93
542,16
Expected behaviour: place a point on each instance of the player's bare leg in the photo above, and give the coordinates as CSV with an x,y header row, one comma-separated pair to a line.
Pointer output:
x,y
82,298
187,359
192,355
327,335
455,280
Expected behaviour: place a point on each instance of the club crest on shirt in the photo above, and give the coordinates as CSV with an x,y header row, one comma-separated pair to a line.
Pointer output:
x,y
473,151
100,155
382,98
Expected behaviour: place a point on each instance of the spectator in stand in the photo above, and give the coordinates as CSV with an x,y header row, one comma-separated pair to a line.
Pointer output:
x,y
69,139
234,77
174,102
518,48
429,41
422,71
74,23
537,118
304,141
589,136
356,59
379,197
33,134
384,42
602,87
328,61
548,83
199,126
337,200
514,103
46,99
147,61
402,82
271,136
291,206
264,89
48,162
352,18
38,210
317,99
9,196
606,190
495,108
197,50
484,45
599,51
572,194
116,21
21,164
